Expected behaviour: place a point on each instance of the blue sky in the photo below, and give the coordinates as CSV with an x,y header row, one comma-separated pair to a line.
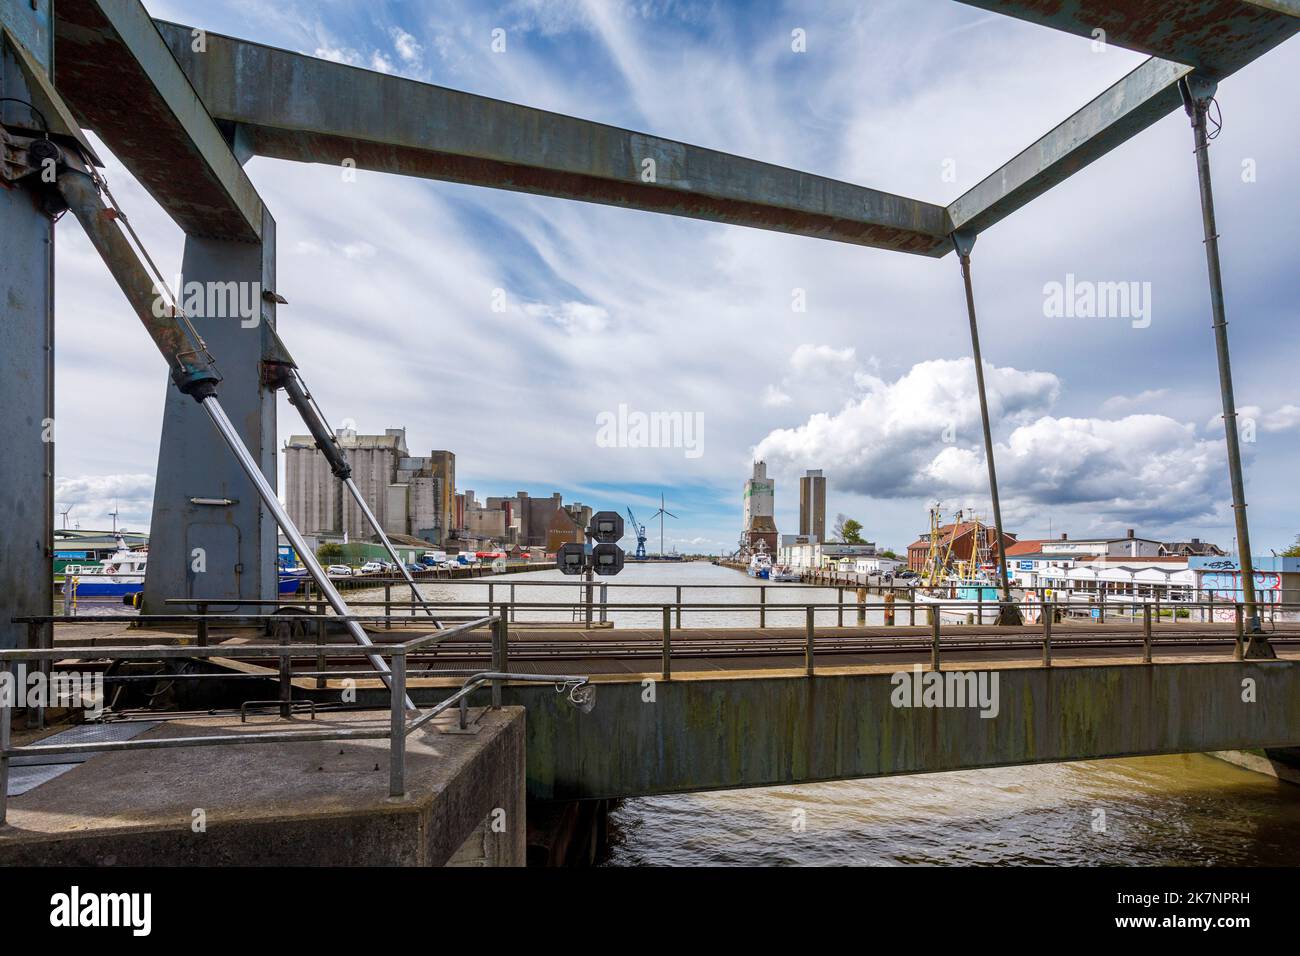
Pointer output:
x,y
1101,425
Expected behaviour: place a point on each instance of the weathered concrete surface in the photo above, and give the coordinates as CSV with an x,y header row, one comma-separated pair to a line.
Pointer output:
x,y
717,733
315,803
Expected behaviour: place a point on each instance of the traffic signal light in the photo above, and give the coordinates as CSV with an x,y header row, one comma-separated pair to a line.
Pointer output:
x,y
607,558
572,558
606,527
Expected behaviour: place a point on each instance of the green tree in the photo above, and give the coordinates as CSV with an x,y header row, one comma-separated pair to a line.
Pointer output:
x,y
1294,550
331,552
851,532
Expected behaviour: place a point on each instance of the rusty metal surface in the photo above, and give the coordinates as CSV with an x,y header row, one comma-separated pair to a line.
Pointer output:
x,y
305,109
706,734
1216,36
120,80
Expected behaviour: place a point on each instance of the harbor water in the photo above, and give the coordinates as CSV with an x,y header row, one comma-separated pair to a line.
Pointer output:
x,y
1189,809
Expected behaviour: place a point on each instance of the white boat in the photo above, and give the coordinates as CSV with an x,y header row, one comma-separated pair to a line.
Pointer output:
x,y
119,574
760,565
783,572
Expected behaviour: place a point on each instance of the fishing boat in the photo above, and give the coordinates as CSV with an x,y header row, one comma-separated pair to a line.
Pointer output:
x,y
121,574
760,565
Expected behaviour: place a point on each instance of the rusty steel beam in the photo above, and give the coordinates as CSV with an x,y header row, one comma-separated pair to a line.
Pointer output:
x,y
1137,101
1217,37
121,81
296,107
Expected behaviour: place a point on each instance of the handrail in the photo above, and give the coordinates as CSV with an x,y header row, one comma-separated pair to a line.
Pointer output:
x,y
399,725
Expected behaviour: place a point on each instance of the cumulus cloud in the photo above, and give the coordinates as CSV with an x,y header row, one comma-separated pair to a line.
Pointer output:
x,y
1285,418
90,499
575,318
920,437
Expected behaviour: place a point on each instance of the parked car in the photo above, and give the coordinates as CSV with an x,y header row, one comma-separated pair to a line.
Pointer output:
x,y
372,567
339,570
417,568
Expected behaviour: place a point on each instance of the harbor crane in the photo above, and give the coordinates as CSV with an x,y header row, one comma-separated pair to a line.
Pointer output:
x,y
638,529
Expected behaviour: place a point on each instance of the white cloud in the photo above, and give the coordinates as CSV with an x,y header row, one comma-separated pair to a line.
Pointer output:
x,y
1123,403
920,437
407,47
575,318
90,499
339,55
773,397
381,63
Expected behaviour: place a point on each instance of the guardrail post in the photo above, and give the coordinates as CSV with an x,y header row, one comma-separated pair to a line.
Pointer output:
x,y
808,650
911,595
321,663
512,602
590,597
840,610
1146,635
679,607
1101,614
604,602
889,607
8,695
934,640
1047,634
397,727
388,605
36,641
499,631
862,606
1208,610
286,685
762,606
1239,651
202,637
668,644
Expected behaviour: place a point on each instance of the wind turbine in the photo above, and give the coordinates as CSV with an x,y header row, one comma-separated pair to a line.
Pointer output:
x,y
660,515
113,514
65,512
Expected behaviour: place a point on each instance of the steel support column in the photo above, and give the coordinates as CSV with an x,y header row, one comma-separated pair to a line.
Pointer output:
x,y
211,536
27,353
1198,94
1007,612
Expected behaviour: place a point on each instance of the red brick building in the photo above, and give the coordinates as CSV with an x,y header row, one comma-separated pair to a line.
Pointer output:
x,y
963,537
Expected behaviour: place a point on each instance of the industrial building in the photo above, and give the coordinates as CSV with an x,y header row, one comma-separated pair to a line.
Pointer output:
x,y
760,510
812,505
409,495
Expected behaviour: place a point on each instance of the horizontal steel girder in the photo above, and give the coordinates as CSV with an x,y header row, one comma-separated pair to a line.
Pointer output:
x,y
296,107
1217,37
121,81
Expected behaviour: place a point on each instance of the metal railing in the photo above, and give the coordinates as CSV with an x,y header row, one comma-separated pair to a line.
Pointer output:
x,y
593,604
401,723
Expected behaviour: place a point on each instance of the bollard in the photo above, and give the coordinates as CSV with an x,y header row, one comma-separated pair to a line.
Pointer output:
x,y
1146,635
889,607
668,644
762,606
934,642
862,606
911,606
1047,635
808,650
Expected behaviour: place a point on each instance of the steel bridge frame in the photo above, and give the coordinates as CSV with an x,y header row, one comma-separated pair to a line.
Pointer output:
x,y
184,109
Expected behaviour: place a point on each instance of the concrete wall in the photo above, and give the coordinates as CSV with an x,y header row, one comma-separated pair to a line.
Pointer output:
x,y
719,733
